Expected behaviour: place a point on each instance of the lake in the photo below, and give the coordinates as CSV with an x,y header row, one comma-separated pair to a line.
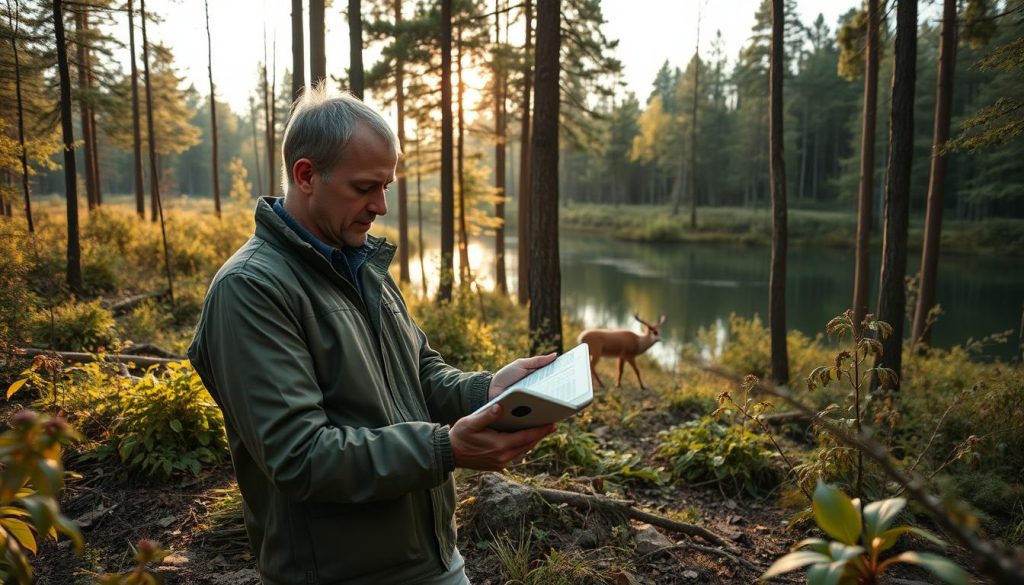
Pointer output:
x,y
605,281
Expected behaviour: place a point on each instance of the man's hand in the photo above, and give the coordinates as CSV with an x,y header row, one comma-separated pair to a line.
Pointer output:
x,y
476,446
516,371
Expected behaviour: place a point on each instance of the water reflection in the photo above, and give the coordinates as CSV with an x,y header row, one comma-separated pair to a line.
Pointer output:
x,y
605,282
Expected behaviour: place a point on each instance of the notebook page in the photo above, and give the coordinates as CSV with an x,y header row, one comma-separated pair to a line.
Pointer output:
x,y
566,379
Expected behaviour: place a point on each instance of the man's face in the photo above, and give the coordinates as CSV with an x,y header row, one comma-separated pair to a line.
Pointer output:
x,y
343,207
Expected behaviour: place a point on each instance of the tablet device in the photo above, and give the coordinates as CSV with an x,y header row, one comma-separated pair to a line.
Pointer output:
x,y
550,394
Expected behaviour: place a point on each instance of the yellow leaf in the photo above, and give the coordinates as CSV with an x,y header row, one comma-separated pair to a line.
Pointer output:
x,y
13,388
21,532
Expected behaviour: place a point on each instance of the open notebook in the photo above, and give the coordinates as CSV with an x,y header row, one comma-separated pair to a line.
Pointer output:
x,y
550,394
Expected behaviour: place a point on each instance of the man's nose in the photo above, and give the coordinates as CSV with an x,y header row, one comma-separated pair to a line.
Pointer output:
x,y
379,204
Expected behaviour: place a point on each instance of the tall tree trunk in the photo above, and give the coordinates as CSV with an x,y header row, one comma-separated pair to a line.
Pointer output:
x,y
465,274
403,186
255,143
74,265
419,216
317,46
81,28
154,180
444,292
298,50
893,295
15,21
777,280
500,280
214,166
268,113
693,128
355,45
140,195
95,158
545,272
922,332
862,262
525,158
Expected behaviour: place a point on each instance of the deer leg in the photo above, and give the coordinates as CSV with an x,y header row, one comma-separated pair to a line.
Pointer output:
x,y
618,381
593,369
632,362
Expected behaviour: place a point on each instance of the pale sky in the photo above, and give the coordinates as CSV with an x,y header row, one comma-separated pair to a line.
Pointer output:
x,y
649,32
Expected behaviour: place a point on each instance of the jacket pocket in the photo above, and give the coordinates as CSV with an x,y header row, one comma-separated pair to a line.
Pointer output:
x,y
353,541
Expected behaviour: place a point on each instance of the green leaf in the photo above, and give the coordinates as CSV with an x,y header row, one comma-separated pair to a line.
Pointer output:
x,y
826,574
836,514
942,567
13,388
844,552
879,515
794,561
815,544
176,425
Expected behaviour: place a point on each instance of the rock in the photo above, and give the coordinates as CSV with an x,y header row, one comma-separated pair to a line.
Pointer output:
x,y
691,575
239,577
501,505
648,540
585,538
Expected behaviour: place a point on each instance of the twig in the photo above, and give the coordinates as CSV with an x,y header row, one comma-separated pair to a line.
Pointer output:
x,y
708,550
624,508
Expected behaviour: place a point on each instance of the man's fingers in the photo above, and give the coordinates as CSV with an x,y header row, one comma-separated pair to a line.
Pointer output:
x,y
482,420
537,361
525,439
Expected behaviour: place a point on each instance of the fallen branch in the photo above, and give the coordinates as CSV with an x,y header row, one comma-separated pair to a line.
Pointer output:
x,y
781,418
131,302
624,508
75,356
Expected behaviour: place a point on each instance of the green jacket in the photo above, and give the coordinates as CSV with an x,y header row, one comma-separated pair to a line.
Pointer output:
x,y
334,406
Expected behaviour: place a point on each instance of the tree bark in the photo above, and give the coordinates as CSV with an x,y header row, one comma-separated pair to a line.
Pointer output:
x,y
298,51
214,166
500,279
403,186
465,274
862,262
154,180
255,143
81,28
444,292
892,295
525,159
922,331
140,195
693,129
23,155
419,216
74,254
545,273
355,44
317,46
777,280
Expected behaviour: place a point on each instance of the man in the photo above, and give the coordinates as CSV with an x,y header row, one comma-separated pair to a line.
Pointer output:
x,y
336,407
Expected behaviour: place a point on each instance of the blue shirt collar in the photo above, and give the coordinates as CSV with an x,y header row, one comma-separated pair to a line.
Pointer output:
x,y
326,250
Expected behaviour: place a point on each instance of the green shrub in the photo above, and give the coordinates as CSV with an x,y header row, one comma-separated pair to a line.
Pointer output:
x,y
73,326
708,450
166,423
15,296
571,450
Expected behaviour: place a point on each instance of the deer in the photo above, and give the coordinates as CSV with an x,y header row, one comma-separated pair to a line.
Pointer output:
x,y
621,343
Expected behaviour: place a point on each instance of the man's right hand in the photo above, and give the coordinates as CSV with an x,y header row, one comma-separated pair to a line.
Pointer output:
x,y
476,446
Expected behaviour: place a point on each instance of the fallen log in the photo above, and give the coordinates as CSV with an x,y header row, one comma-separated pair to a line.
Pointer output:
x,y
75,356
129,303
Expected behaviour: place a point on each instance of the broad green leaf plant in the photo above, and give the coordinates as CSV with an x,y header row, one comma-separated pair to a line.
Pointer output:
x,y
861,537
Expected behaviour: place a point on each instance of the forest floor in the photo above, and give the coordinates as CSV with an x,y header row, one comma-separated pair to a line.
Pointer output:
x,y
209,547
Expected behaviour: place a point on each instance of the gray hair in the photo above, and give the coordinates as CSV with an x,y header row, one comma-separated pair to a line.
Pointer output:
x,y
320,125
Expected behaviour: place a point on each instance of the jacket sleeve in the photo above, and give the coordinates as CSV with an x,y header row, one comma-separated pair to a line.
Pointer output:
x,y
449,392
249,351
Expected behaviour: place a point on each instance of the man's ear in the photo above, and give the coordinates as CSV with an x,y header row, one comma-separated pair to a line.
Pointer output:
x,y
303,173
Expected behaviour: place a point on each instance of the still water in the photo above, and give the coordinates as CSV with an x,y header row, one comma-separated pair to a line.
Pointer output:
x,y
698,285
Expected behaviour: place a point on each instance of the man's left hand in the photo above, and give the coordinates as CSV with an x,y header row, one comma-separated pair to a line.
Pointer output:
x,y
516,371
